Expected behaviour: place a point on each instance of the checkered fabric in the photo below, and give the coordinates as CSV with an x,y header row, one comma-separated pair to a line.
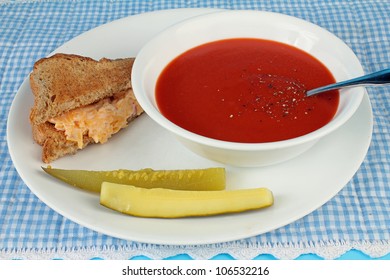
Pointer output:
x,y
358,217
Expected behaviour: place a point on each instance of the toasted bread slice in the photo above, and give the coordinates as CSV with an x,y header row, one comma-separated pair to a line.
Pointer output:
x,y
64,82
54,143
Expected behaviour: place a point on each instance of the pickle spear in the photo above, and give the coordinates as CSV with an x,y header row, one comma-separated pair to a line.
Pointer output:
x,y
167,203
209,179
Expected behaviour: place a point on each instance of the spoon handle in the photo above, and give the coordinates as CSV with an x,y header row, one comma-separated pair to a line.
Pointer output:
x,y
377,78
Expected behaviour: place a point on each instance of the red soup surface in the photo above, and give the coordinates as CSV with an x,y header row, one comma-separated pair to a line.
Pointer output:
x,y
246,90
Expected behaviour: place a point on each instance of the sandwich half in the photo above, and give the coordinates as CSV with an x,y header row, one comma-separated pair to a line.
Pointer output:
x,y
79,101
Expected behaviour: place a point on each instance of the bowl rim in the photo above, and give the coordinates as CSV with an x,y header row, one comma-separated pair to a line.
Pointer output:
x,y
153,112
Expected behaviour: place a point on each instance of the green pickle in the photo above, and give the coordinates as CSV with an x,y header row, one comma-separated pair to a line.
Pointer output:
x,y
209,179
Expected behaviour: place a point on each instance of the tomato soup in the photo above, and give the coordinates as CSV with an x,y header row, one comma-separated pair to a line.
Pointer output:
x,y
246,90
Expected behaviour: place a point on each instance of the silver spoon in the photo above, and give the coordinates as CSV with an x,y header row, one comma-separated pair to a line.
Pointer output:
x,y
377,78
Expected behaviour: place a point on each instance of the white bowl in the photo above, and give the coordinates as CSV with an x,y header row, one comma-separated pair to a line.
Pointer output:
x,y
318,42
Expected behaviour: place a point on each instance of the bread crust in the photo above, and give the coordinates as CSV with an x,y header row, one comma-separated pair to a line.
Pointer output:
x,y
64,82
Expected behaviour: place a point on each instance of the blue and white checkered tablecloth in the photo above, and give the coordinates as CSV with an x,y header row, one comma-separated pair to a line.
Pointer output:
x,y
358,217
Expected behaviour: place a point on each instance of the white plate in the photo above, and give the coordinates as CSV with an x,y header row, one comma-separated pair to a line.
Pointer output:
x,y
300,185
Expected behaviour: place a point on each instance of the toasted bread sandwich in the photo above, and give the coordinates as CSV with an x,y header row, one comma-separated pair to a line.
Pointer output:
x,y
79,101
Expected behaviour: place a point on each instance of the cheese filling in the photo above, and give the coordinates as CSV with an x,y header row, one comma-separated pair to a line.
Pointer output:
x,y
99,120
